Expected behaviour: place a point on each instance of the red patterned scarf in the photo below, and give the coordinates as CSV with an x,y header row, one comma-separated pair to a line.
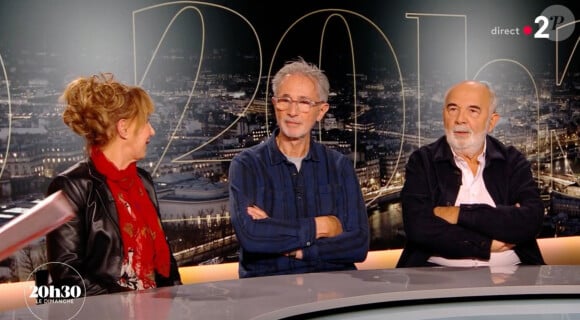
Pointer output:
x,y
145,247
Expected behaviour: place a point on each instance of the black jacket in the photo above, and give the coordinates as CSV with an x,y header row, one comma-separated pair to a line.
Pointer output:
x,y
91,242
433,179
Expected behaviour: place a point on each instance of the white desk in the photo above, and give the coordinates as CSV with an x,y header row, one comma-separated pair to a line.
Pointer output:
x,y
420,293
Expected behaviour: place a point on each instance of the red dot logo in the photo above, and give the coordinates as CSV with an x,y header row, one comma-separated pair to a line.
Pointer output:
x,y
527,30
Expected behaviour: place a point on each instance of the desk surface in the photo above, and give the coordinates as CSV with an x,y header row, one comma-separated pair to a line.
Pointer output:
x,y
372,294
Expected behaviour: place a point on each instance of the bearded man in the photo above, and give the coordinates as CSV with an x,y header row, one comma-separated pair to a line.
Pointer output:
x,y
468,199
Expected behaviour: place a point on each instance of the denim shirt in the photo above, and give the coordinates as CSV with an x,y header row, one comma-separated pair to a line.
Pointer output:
x,y
325,185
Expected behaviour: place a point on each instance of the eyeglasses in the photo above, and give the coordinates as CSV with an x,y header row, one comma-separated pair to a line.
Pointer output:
x,y
304,104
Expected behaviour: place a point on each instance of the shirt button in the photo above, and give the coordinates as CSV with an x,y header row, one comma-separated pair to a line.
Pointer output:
x,y
308,243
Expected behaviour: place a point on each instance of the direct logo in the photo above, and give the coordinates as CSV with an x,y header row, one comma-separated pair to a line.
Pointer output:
x,y
555,23
70,299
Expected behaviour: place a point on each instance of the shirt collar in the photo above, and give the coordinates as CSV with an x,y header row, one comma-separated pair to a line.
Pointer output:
x,y
480,157
493,150
278,157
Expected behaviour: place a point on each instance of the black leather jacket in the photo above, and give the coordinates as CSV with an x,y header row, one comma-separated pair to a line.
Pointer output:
x,y
91,242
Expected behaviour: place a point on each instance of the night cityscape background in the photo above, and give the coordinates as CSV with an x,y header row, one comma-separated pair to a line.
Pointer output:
x,y
207,66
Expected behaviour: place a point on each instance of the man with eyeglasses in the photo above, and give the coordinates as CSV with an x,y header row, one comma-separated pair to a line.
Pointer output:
x,y
297,206
469,200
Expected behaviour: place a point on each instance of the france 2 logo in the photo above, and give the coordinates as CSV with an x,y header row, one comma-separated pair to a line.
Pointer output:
x,y
555,23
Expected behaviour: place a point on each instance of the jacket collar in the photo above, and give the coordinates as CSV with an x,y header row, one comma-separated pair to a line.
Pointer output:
x,y
494,150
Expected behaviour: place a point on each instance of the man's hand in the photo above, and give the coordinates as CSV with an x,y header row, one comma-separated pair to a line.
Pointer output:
x,y
257,213
498,246
296,254
327,226
449,214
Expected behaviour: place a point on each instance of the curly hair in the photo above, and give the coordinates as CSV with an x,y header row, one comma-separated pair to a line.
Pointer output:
x,y
96,103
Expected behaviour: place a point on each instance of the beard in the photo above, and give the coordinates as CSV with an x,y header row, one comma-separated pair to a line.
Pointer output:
x,y
297,130
469,146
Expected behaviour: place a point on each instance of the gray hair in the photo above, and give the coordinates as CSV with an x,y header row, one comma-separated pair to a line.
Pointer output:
x,y
309,70
487,85
492,96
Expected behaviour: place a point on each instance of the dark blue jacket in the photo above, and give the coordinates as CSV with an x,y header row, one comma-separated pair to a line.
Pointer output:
x,y
433,179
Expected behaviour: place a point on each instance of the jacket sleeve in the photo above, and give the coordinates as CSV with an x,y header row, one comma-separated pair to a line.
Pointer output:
x,y
352,244
508,222
174,278
434,235
66,245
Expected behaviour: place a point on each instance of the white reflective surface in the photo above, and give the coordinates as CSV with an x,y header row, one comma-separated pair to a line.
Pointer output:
x,y
404,293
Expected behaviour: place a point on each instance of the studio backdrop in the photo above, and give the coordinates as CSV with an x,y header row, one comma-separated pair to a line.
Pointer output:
x,y
208,66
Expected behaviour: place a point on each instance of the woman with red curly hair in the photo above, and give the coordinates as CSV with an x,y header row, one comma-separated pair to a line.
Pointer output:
x,y
116,241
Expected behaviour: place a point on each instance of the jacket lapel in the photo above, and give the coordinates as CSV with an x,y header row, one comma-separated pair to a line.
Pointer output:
x,y
447,174
104,195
